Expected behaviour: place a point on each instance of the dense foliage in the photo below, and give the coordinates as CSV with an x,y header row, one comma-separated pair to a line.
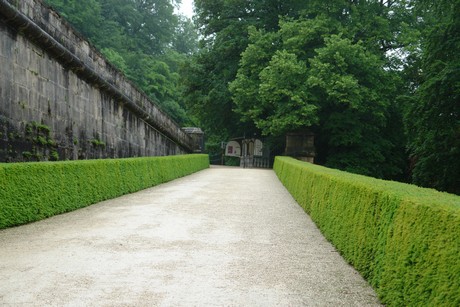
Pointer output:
x,y
377,81
224,29
433,118
317,73
403,239
356,73
34,191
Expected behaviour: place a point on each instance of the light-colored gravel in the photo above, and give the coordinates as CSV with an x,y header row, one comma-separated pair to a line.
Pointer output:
x,y
220,237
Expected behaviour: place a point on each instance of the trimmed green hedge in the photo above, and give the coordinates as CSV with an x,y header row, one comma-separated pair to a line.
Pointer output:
x,y
33,191
403,239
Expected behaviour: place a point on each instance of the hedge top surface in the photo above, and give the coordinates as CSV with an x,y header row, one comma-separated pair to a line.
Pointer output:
x,y
133,159
36,190
408,192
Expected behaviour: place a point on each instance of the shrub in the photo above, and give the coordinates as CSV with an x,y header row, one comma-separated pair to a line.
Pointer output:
x,y
403,239
34,191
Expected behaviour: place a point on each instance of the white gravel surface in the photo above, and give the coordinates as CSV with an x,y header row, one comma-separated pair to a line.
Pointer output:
x,y
220,237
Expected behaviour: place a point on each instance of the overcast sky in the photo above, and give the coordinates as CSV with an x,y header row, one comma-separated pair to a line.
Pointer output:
x,y
186,8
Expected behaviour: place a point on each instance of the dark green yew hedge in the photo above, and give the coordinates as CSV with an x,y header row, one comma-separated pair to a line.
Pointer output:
x,y
403,239
34,191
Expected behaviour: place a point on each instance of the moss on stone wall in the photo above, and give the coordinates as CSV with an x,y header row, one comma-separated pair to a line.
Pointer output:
x,y
31,142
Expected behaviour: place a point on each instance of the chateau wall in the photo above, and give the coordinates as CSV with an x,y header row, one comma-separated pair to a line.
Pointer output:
x,y
60,99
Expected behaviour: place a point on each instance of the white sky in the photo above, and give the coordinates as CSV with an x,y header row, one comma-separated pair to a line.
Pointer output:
x,y
186,8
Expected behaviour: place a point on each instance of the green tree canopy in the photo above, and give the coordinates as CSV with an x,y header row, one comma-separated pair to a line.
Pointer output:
x,y
433,119
354,93
306,76
224,30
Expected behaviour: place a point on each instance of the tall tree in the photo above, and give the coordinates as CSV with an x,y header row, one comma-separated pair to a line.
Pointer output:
x,y
433,119
185,39
84,15
354,93
224,29
270,87
305,75
148,25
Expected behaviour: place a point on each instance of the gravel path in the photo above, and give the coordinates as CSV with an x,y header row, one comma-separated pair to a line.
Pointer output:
x,y
220,237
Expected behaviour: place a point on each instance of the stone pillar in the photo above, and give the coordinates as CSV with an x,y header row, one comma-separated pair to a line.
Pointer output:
x,y
197,136
300,145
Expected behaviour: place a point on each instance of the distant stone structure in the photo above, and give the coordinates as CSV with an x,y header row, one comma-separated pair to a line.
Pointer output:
x,y
60,99
301,145
197,136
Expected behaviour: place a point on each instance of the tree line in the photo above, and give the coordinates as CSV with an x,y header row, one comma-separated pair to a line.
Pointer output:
x,y
377,81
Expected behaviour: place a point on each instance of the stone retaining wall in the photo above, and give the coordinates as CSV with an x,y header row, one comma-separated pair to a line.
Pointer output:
x,y
60,99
